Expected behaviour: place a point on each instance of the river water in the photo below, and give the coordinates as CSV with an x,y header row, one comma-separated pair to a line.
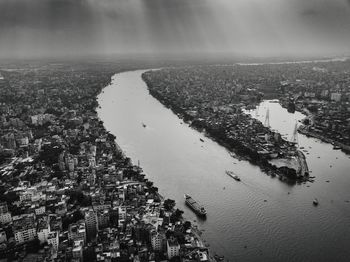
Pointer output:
x,y
257,219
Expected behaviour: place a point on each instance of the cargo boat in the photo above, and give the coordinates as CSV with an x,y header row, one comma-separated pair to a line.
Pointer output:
x,y
195,206
233,175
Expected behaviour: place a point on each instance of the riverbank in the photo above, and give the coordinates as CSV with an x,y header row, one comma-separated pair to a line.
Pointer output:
x,y
305,129
189,242
336,145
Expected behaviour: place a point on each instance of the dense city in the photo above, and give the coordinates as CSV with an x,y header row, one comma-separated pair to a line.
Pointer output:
x,y
68,192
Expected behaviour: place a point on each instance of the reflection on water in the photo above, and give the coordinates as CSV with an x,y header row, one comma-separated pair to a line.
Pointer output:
x,y
259,218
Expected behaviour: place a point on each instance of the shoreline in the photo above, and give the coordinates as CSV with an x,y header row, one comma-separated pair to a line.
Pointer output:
x,y
302,130
196,233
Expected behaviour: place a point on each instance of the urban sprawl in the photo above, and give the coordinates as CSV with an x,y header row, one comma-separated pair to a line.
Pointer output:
x,y
67,191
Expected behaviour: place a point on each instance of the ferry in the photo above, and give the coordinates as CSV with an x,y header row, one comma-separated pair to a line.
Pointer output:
x,y
233,175
195,206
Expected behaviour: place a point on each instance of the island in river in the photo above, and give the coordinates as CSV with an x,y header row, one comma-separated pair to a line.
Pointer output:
x,y
211,99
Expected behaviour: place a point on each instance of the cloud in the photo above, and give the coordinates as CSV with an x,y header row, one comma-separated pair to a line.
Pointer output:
x,y
42,27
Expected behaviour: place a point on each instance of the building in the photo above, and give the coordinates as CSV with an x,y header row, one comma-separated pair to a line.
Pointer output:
x,y
335,97
77,231
24,228
5,218
121,215
43,230
77,251
173,248
157,240
5,215
103,219
3,237
3,208
52,239
40,210
91,223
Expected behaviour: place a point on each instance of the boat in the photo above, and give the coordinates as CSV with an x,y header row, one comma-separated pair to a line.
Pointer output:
x,y
143,124
315,202
201,140
195,206
335,147
233,175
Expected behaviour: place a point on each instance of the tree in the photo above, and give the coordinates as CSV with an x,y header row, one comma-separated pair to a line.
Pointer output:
x,y
187,225
176,216
169,204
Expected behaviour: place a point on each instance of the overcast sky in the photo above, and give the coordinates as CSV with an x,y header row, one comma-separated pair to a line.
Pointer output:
x,y
248,27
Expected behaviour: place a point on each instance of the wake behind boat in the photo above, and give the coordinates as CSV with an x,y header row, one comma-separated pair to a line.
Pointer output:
x,y
195,206
233,175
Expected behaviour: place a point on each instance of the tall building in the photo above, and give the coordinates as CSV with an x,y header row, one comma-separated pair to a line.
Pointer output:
x,y
157,240
173,248
103,219
121,215
91,223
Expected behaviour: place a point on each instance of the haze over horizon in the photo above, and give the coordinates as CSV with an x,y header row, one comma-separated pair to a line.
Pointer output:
x,y
36,28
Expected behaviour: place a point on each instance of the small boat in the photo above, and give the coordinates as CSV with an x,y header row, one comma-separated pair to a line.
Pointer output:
x,y
335,147
201,140
315,202
233,175
143,124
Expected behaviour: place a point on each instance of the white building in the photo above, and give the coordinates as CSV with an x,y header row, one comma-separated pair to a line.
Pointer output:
x,y
121,215
5,218
173,248
77,251
335,97
24,228
40,210
43,231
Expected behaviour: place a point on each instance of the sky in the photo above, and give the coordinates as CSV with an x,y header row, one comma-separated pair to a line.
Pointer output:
x,y
31,28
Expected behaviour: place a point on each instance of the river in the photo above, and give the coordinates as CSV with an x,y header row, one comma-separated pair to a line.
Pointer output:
x,y
258,219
